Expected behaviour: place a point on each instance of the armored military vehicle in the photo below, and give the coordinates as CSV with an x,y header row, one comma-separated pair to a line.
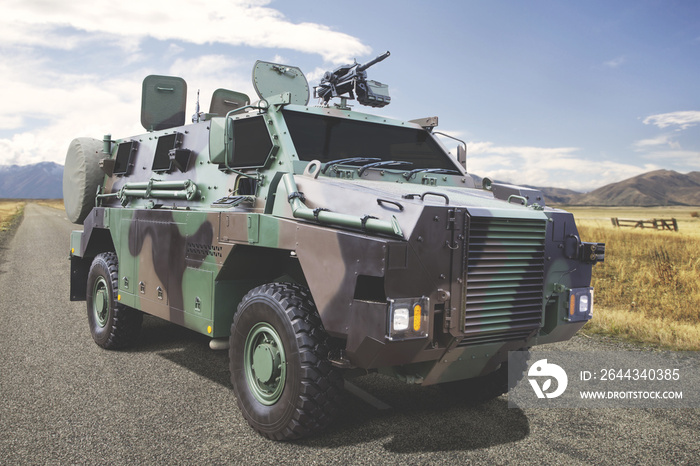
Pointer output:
x,y
316,242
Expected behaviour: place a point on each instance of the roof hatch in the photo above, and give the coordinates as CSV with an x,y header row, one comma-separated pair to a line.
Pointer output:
x,y
271,79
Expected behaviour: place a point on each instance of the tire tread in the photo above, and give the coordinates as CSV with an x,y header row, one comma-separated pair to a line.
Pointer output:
x,y
321,384
126,324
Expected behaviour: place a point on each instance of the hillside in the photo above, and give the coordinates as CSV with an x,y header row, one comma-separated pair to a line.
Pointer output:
x,y
657,188
38,181
559,195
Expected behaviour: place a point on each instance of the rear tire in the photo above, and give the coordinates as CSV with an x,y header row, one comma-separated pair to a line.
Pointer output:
x,y
112,324
284,384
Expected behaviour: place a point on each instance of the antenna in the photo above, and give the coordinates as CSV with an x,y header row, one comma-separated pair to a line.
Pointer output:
x,y
197,114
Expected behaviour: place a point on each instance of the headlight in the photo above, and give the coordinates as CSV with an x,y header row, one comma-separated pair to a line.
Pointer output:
x,y
408,318
400,320
580,304
583,304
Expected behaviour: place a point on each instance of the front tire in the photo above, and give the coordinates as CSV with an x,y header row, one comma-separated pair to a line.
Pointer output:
x,y
112,324
284,384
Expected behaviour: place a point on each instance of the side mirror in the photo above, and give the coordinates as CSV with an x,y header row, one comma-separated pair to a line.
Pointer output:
x,y
462,155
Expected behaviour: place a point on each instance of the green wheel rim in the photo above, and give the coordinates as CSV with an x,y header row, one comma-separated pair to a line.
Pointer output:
x,y
100,302
265,363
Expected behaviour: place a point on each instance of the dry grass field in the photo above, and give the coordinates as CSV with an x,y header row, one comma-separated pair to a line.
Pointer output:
x,y
648,289
9,210
55,203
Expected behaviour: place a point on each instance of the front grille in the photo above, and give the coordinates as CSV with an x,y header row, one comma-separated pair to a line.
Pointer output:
x,y
505,279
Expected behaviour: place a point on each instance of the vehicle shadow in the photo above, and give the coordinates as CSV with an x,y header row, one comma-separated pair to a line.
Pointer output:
x,y
183,347
421,419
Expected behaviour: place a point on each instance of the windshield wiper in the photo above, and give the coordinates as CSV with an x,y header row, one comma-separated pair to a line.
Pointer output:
x,y
442,171
383,163
327,165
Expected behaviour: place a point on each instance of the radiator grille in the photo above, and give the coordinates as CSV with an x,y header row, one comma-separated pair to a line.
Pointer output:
x,y
505,279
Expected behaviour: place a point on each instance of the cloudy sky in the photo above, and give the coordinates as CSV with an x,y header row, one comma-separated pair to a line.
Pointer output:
x,y
548,93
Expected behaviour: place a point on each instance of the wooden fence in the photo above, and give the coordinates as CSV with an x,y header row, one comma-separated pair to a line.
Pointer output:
x,y
669,224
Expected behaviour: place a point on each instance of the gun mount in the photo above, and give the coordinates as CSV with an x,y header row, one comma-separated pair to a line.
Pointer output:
x,y
352,79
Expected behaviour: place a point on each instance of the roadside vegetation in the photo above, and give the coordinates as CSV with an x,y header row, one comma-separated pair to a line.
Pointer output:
x,y
648,289
10,211
55,203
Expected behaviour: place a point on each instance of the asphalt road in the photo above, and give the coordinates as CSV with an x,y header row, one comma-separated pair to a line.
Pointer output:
x,y
169,401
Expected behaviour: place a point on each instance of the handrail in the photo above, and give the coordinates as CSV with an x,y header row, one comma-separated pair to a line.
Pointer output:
x,y
422,196
182,189
300,210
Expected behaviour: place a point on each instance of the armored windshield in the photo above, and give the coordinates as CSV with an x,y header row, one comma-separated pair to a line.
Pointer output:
x,y
324,138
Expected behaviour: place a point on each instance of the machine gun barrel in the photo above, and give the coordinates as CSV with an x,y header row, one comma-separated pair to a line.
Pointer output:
x,y
373,62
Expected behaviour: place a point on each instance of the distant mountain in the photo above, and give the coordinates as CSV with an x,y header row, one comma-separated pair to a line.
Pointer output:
x,y
558,195
551,195
657,188
38,181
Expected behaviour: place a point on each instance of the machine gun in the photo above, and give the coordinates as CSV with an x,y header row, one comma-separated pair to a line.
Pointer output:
x,y
351,79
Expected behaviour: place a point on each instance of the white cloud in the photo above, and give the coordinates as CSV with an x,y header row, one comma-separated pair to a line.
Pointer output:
x,y
173,51
683,120
661,140
49,97
657,141
30,90
210,72
615,62
231,22
73,105
279,59
559,167
46,109
315,75
683,159
18,32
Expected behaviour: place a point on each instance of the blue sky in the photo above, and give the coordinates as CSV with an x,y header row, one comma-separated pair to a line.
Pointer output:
x,y
548,93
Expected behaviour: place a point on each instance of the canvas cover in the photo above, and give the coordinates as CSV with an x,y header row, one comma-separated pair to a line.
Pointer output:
x,y
81,176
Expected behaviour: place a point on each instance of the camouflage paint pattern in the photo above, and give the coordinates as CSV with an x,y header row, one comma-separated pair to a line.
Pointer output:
x,y
496,273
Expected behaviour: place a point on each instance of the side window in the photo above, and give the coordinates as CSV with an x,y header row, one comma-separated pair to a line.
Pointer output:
x,y
251,143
